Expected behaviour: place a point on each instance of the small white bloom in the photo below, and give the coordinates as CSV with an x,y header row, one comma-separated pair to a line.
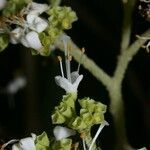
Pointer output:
x,y
71,82
25,144
2,4
36,23
67,85
36,8
33,41
62,132
27,34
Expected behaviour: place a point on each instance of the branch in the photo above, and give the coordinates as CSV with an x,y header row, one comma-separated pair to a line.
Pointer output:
x,y
128,7
126,56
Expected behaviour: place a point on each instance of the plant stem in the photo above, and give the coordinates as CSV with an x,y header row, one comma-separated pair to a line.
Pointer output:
x,y
128,6
113,84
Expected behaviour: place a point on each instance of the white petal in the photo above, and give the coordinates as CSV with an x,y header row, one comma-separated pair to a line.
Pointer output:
x,y
78,80
15,35
33,40
31,18
27,144
62,132
74,76
24,42
36,8
64,83
15,147
41,25
36,23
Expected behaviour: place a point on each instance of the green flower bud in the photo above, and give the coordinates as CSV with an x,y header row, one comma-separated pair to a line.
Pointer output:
x,y
58,118
78,124
42,142
64,144
98,118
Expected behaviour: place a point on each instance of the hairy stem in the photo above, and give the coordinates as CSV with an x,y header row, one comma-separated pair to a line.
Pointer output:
x,y
126,56
128,6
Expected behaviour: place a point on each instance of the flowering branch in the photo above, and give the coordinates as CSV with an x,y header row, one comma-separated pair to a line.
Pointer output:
x,y
114,83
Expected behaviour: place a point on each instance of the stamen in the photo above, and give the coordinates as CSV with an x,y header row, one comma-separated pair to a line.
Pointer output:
x,y
61,67
68,65
83,142
97,133
65,42
82,50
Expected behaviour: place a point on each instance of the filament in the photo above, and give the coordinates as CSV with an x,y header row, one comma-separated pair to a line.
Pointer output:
x,y
61,67
83,142
97,133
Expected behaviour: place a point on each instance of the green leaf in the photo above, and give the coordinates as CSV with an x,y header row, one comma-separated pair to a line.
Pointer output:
x,y
42,142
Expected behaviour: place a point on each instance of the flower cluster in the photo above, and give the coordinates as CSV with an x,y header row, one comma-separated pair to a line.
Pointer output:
x,y
27,34
36,26
91,112
33,31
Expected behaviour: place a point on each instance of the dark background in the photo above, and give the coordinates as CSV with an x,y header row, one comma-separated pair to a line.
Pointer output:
x,y
99,31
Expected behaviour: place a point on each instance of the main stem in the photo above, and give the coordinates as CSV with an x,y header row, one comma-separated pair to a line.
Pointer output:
x,y
117,112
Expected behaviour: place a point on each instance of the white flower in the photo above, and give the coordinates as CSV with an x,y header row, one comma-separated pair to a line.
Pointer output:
x,y
62,132
25,144
27,34
32,40
2,4
36,23
69,86
71,82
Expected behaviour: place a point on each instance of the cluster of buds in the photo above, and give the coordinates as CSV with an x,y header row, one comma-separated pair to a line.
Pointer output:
x,y
36,26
